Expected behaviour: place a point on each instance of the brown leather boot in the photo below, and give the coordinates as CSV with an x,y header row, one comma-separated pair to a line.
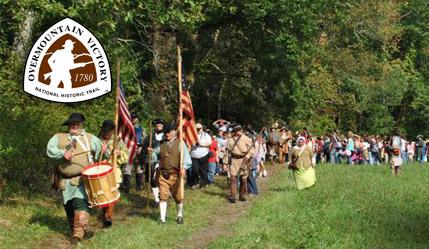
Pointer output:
x,y
81,219
233,189
243,188
108,215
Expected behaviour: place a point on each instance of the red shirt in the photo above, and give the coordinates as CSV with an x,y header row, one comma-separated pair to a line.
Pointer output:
x,y
213,150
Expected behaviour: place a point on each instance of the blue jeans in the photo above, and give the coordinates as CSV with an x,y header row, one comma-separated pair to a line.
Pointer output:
x,y
252,187
333,157
350,160
404,156
211,172
370,158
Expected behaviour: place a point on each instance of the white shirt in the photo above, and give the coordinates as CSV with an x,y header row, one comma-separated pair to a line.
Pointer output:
x,y
201,151
365,145
221,144
403,144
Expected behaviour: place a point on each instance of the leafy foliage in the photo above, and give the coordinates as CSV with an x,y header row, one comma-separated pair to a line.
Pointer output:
x,y
352,65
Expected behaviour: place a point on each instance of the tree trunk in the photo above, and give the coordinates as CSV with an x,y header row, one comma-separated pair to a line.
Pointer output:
x,y
23,38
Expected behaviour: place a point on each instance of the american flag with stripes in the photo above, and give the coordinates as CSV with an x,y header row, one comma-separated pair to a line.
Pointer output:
x,y
126,130
188,118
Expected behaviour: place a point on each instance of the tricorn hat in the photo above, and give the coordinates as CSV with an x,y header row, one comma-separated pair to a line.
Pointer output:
x,y
158,121
169,127
133,115
107,125
74,117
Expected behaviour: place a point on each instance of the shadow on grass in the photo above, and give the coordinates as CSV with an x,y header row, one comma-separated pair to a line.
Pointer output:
x,y
212,193
54,223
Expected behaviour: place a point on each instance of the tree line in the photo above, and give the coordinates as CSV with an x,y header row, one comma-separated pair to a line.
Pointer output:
x,y
351,65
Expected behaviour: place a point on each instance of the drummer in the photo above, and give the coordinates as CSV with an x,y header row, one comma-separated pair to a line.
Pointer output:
x,y
73,150
107,138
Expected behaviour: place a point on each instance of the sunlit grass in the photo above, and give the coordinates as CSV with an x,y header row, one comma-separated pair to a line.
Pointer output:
x,y
350,207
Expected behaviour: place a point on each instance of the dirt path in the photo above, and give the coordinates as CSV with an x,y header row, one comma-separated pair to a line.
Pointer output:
x,y
201,239
219,225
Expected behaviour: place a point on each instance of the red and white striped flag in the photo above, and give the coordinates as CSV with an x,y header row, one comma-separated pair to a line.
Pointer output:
x,y
126,130
189,130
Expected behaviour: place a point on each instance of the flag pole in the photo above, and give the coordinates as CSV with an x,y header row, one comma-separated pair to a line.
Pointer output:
x,y
179,76
115,138
149,161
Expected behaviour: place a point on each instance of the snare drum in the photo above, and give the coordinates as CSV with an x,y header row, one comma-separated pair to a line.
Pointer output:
x,y
100,184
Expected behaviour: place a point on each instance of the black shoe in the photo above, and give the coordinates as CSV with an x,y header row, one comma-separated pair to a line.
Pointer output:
x,y
242,198
107,223
139,182
231,200
179,220
155,204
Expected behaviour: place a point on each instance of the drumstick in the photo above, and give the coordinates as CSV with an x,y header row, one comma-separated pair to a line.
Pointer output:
x,y
83,152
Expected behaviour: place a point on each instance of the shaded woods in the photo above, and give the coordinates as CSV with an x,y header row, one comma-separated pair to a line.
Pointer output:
x,y
354,65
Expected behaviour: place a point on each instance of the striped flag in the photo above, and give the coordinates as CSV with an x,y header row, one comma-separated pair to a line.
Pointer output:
x,y
189,130
126,130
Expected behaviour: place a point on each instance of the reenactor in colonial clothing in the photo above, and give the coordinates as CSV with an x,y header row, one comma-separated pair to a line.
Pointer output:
x,y
107,138
73,150
137,164
273,143
283,147
157,137
239,151
170,172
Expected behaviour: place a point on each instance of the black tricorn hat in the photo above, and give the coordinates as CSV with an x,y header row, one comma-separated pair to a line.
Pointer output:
x,y
158,121
169,127
107,125
74,117
133,115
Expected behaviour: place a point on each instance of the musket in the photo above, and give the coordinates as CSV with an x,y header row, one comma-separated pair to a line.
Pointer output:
x,y
47,75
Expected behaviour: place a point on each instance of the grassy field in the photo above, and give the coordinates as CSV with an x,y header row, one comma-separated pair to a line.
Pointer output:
x,y
350,207
31,222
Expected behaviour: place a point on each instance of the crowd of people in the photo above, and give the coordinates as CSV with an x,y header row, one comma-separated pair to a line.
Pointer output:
x,y
222,149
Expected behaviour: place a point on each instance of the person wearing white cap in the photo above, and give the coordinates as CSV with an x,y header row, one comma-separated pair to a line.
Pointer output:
x,y
200,159
302,165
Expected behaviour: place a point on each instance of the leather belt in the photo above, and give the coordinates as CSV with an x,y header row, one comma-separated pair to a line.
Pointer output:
x,y
238,156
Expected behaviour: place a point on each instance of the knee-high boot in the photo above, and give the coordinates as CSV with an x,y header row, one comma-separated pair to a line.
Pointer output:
x,y
139,181
233,189
108,215
81,219
243,188
125,186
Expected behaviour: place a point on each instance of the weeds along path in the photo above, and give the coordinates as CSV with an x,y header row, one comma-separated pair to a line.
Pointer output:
x,y
227,215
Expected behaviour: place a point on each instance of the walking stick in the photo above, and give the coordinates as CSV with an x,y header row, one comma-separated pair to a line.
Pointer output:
x,y
149,161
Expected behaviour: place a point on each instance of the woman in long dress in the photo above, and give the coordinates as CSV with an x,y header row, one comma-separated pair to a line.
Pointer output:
x,y
304,173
